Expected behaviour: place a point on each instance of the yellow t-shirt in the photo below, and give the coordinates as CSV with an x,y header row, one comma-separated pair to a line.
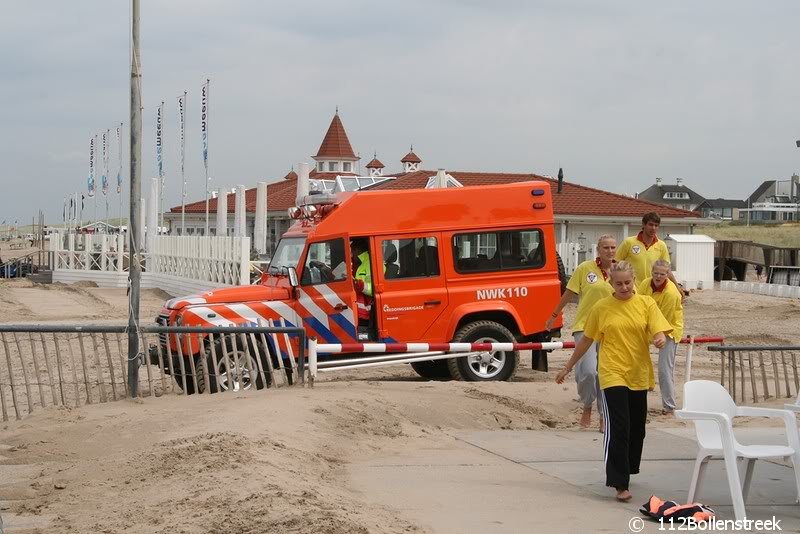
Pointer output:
x,y
669,302
624,329
587,282
642,258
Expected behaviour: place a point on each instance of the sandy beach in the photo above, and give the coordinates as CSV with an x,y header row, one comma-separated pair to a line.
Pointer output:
x,y
280,460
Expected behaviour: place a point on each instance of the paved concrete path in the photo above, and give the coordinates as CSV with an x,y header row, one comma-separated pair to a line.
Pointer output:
x,y
520,481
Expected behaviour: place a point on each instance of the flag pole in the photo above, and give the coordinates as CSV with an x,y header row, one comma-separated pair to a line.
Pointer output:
x,y
119,175
181,110
160,162
94,190
204,125
106,148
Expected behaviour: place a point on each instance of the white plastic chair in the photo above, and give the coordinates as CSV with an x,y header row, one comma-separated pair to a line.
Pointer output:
x,y
712,410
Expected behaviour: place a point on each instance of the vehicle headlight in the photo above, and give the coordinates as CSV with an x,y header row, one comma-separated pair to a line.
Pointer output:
x,y
179,320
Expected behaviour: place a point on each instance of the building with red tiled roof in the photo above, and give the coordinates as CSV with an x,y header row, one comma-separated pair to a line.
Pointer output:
x,y
582,213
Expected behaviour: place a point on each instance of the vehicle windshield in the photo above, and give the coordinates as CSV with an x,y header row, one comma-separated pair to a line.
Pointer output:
x,y
287,254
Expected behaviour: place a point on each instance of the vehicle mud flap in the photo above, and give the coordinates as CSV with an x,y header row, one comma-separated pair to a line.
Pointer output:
x,y
539,360
539,357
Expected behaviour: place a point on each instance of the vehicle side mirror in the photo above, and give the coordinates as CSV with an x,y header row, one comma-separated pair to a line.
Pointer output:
x,y
292,277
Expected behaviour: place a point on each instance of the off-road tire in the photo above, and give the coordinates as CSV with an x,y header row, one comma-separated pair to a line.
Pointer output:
x,y
432,370
490,332
233,344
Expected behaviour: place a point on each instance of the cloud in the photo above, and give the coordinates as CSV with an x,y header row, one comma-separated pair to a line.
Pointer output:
x,y
617,92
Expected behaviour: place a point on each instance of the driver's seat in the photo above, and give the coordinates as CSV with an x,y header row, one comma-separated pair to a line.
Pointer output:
x,y
391,269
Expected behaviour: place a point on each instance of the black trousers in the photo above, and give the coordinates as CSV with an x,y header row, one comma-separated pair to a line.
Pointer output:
x,y
625,416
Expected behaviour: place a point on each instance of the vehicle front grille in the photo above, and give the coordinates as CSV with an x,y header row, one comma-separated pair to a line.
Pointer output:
x,y
162,320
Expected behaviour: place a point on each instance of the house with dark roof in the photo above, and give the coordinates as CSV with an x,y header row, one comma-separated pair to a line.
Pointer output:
x,y
774,201
676,195
582,213
721,208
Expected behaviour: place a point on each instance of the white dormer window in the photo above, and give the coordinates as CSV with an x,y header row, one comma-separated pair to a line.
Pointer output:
x,y
333,166
678,196
347,166
321,166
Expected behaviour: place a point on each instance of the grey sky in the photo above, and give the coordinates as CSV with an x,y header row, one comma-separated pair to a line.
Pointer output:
x,y
616,92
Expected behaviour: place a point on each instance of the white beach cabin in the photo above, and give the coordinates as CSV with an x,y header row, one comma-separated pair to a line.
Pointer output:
x,y
692,259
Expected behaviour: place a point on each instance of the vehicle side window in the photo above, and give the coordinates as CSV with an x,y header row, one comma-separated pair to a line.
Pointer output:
x,y
324,263
498,251
410,258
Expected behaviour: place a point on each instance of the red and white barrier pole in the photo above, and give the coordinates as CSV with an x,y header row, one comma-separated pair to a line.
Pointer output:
x,y
333,348
395,353
349,348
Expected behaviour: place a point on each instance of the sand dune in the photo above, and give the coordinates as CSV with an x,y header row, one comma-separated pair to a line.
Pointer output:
x,y
276,460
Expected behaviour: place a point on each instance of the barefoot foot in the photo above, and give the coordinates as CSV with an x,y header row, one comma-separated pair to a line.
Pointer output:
x,y
586,417
624,495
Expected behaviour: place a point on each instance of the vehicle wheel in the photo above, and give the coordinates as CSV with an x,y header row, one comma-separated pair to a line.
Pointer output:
x,y
489,365
432,370
562,273
241,372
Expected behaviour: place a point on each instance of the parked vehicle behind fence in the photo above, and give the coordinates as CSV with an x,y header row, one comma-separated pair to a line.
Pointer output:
x,y
471,264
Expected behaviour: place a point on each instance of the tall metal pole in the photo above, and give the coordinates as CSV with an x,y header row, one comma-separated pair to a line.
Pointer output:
x,y
135,266
183,164
204,118
119,178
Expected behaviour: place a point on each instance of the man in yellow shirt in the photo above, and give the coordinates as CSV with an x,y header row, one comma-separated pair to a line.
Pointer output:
x,y
643,249
668,298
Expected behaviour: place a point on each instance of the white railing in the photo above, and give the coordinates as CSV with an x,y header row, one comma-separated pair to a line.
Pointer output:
x,y
572,255
87,252
176,264
219,260
772,206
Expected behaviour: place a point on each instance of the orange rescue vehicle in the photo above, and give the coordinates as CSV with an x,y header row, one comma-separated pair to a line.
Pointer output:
x,y
468,264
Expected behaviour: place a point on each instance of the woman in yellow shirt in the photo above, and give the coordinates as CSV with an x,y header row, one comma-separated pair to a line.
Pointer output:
x,y
668,297
623,324
590,284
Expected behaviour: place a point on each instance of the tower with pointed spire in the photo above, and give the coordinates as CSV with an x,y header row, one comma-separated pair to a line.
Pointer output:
x,y
375,167
410,161
335,154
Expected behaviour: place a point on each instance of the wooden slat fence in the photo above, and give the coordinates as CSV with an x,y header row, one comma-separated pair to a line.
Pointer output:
x,y
755,373
72,365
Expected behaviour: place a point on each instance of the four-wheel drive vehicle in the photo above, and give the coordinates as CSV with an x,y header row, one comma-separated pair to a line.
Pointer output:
x,y
471,264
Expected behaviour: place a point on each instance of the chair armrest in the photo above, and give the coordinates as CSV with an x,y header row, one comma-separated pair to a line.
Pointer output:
x,y
789,421
751,411
720,418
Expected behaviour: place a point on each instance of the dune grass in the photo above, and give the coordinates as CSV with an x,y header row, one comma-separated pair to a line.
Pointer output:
x,y
781,235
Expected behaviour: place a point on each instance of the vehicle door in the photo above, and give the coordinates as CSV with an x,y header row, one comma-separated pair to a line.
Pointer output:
x,y
325,295
411,292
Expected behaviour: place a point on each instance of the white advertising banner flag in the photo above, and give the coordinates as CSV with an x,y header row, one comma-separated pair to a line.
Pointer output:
x,y
90,180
